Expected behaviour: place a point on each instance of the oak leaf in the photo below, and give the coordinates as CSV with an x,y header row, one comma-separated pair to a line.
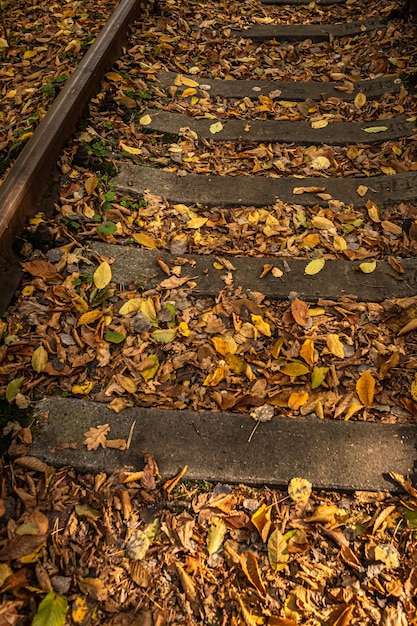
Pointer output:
x,y
96,436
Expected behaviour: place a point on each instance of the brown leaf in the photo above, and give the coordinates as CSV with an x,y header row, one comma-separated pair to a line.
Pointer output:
x,y
250,567
42,269
96,436
300,312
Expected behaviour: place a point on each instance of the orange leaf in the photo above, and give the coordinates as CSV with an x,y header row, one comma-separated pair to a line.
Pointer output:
x,y
365,388
300,313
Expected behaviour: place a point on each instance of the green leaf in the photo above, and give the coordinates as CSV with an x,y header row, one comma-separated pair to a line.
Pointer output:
x,y
317,376
411,517
164,335
114,337
149,373
375,129
109,228
84,510
13,389
51,611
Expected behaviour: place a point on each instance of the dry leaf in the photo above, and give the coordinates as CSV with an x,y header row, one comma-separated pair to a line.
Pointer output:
x,y
102,275
365,388
300,312
96,436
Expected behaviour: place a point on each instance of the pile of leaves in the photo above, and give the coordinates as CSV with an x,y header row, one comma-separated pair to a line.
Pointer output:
x,y
131,548
40,46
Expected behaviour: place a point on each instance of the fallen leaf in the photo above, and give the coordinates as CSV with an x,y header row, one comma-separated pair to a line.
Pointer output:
x,y
299,489
249,564
314,267
39,359
365,388
335,346
216,127
96,436
300,312
367,268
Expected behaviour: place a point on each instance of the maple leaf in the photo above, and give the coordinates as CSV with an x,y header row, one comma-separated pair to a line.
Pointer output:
x,y
96,436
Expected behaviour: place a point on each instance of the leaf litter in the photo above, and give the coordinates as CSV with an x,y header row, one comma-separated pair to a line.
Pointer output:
x,y
131,547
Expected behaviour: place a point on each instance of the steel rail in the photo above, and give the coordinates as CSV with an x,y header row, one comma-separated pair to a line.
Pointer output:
x,y
28,177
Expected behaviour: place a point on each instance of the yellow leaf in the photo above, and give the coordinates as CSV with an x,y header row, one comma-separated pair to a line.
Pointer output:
x,y
215,536
295,368
339,243
365,388
287,104
224,345
83,389
3,43
375,129
102,275
314,267
373,212
131,306
114,76
196,222
367,268
413,388
39,359
319,123
127,383
188,82
190,91
184,329
320,163
307,352
90,184
29,54
299,489
28,290
129,149
353,408
278,554
260,325
389,171
261,519
360,100
322,223
249,618
89,317
361,190
215,377
145,120
216,127
145,240
79,610
80,304
335,346
310,241
297,399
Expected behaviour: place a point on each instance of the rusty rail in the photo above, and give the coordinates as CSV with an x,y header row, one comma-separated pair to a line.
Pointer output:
x,y
28,177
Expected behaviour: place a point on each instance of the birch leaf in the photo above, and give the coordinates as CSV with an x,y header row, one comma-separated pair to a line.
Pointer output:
x,y
102,275
217,127
314,267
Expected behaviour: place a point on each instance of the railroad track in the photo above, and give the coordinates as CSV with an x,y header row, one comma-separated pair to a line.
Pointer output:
x,y
247,218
